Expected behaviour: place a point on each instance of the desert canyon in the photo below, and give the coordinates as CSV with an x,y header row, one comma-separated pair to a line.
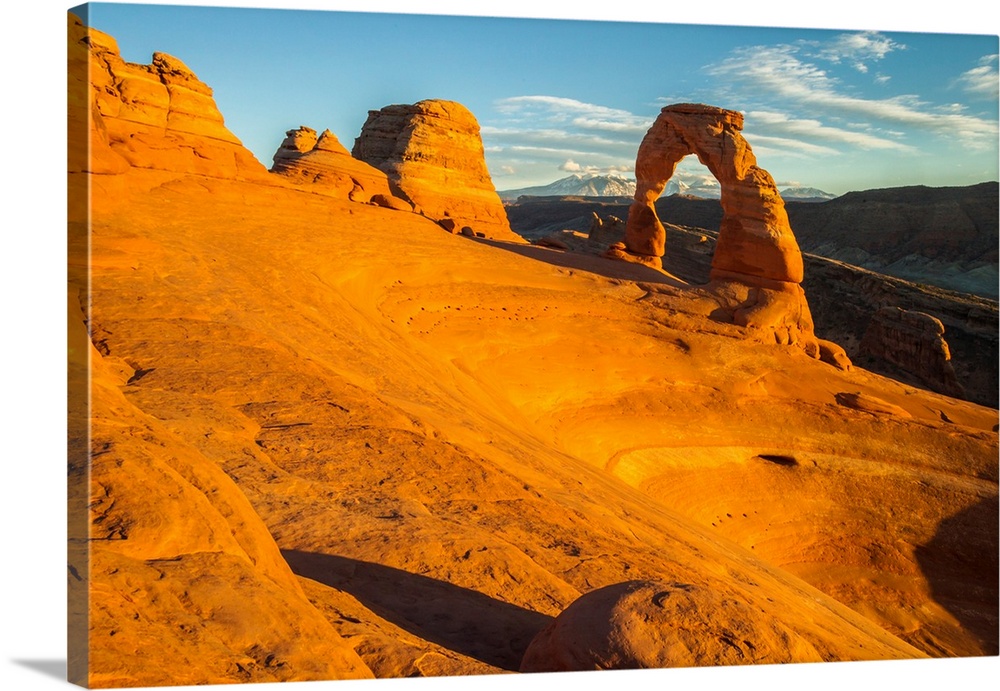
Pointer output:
x,y
337,419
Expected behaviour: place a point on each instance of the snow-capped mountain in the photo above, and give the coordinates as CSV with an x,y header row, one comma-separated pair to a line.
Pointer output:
x,y
806,194
703,187
596,185
577,185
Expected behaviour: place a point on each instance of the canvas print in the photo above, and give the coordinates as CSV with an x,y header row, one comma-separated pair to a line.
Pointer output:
x,y
421,345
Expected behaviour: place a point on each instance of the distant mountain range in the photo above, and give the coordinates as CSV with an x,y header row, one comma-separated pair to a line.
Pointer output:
x,y
596,185
576,185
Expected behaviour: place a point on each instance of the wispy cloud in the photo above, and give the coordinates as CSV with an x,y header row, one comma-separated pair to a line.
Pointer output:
x,y
805,132
779,72
982,80
571,166
858,49
572,113
564,134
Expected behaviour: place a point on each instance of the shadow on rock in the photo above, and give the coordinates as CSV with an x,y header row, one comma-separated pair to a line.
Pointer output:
x,y
462,620
960,564
591,263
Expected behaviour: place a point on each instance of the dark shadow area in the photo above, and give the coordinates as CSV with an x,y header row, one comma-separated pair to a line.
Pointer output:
x,y
961,566
50,668
462,620
778,459
591,263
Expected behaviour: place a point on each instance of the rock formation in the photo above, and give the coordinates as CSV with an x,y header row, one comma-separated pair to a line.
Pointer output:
x,y
305,157
940,236
158,116
657,624
915,342
606,231
433,156
305,449
755,249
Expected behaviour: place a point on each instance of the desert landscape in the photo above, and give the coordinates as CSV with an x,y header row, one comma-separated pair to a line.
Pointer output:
x,y
351,416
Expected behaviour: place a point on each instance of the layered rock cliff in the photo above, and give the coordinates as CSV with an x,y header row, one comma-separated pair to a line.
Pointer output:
x,y
433,155
158,116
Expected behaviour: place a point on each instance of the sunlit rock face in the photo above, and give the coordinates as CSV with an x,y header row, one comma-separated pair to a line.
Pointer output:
x,y
306,157
158,116
434,157
756,247
658,624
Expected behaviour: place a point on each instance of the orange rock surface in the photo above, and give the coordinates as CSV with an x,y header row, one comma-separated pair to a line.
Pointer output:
x,y
322,160
433,155
312,458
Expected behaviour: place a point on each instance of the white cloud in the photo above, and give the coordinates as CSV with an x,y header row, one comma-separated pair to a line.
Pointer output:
x,y
857,49
807,131
562,134
780,73
568,113
982,80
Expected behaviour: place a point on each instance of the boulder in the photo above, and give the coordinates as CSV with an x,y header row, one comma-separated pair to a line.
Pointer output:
x,y
433,156
307,158
390,202
605,231
658,624
833,354
867,403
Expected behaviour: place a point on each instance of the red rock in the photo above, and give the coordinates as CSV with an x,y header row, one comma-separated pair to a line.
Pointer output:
x,y
914,341
390,202
433,155
870,404
158,116
833,354
755,247
755,240
306,158
651,624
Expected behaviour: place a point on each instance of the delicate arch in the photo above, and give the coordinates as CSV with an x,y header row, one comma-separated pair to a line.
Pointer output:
x,y
755,244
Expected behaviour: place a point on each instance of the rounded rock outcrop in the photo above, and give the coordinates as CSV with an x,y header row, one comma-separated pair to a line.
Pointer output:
x,y
658,624
433,155
306,157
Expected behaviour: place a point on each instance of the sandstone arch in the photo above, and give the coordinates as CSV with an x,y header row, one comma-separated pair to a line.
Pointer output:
x,y
757,266
755,240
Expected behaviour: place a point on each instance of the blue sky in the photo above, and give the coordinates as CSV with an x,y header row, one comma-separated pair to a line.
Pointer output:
x,y
837,109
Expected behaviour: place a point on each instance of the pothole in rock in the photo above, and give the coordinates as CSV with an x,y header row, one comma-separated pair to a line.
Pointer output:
x,y
778,459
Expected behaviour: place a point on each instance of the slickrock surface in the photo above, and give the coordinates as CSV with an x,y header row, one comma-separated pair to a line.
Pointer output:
x,y
322,160
843,299
433,155
449,446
